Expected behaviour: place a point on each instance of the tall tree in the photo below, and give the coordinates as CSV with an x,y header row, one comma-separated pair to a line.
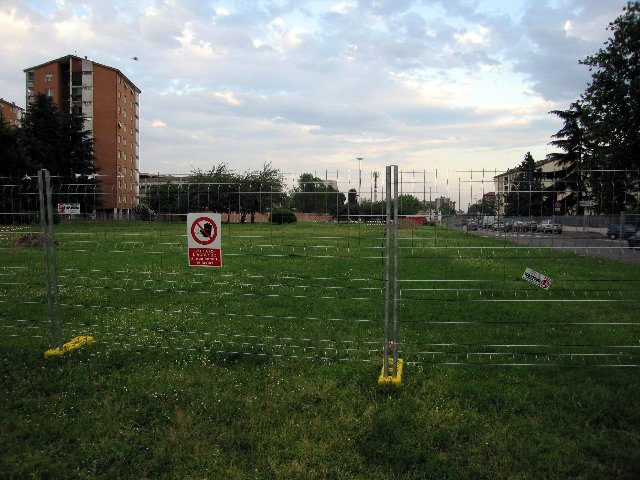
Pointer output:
x,y
572,140
611,105
13,160
262,190
41,135
525,197
313,196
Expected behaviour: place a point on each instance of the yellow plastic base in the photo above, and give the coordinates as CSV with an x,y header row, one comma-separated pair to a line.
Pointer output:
x,y
67,347
391,379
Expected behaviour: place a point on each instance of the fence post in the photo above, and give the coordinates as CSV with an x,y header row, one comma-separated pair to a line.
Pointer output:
x,y
49,258
396,288
387,293
395,378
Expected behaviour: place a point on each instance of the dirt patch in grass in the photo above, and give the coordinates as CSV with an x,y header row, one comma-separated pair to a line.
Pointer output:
x,y
30,240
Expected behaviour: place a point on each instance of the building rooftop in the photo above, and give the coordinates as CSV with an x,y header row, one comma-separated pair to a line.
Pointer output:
x,y
67,57
537,164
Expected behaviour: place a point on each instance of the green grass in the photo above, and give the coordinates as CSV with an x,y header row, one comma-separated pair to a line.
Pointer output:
x,y
267,367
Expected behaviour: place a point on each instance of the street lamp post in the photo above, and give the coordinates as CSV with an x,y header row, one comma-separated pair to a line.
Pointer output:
x,y
359,175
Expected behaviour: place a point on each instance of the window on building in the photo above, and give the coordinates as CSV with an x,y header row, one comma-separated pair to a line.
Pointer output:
x,y
48,77
118,153
49,92
119,139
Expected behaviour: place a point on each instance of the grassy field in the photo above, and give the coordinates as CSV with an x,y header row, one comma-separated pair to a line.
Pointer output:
x,y
267,367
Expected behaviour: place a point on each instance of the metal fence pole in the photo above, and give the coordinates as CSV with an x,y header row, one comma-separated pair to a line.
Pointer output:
x,y
395,271
49,258
387,275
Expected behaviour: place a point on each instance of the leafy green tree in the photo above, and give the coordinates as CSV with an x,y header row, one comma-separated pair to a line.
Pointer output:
x,y
525,197
313,196
41,135
220,190
262,190
13,160
486,206
611,106
57,141
408,204
75,150
572,140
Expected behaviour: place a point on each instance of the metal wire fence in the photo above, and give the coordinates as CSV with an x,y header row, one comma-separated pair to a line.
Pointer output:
x,y
316,289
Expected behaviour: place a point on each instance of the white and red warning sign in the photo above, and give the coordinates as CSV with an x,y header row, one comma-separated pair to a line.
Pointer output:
x,y
536,278
204,239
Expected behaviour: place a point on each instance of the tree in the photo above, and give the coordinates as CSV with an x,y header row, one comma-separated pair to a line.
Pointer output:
x,y
572,140
220,190
486,206
41,135
611,106
261,191
408,204
313,196
76,147
525,197
12,156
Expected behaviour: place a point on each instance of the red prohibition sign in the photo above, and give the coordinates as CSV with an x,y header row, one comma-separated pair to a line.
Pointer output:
x,y
198,225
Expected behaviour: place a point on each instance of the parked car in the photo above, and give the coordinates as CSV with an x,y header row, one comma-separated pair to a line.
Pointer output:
x,y
521,226
634,240
549,226
472,226
615,231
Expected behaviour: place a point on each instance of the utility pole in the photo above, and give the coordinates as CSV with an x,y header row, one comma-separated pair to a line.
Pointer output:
x,y
375,186
359,175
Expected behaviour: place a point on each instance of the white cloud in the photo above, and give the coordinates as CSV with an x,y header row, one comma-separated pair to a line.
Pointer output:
x,y
228,97
309,84
14,30
74,31
568,28
473,38
198,49
342,8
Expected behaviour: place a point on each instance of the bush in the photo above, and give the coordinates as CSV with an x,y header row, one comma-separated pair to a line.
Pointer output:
x,y
282,215
144,212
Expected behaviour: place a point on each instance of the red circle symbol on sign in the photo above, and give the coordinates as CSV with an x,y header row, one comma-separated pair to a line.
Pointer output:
x,y
204,230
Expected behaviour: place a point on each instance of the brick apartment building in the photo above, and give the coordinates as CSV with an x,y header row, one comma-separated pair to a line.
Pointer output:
x,y
10,113
110,103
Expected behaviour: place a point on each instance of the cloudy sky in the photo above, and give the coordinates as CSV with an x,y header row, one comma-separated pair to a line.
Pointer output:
x,y
311,85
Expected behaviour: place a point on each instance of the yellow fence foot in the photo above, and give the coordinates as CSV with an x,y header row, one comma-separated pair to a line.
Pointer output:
x,y
394,380
70,345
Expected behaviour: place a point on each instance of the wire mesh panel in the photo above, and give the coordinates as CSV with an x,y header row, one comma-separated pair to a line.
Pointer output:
x,y
23,299
313,289
316,288
517,285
